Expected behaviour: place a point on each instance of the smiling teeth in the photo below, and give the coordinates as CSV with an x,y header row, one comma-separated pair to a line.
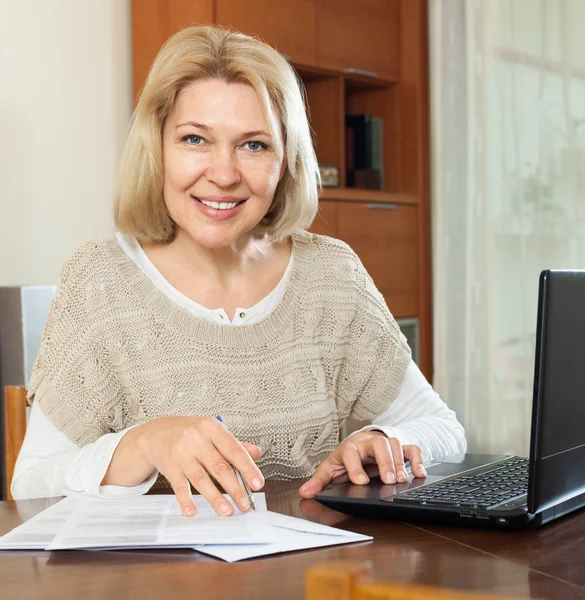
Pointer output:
x,y
219,205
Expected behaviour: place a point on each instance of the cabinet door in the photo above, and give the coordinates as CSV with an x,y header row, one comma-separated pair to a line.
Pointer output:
x,y
153,22
184,13
325,222
385,237
288,25
359,34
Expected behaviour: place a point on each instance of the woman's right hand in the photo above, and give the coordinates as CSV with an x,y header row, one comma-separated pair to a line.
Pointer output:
x,y
191,450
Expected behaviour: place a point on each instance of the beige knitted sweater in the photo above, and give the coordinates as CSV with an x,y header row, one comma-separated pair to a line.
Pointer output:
x,y
116,351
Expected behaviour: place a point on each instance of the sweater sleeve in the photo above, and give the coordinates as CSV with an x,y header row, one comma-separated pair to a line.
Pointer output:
x,y
377,353
72,379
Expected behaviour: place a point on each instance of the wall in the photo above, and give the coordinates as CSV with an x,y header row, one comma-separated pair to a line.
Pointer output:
x,y
65,102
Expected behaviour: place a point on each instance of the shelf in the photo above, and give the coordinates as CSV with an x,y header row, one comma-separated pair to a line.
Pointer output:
x,y
362,195
355,81
312,72
352,80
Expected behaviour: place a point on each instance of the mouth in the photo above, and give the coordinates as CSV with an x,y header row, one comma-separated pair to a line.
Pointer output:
x,y
223,205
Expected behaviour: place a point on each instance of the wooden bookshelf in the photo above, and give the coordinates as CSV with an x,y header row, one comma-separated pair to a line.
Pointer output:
x,y
354,57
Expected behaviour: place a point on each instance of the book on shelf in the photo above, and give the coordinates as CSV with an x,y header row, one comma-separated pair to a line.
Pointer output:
x,y
364,151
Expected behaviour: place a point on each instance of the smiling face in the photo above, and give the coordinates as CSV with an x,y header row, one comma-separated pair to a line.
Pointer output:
x,y
220,165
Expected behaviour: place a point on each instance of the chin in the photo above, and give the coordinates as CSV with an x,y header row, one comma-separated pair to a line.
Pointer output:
x,y
215,240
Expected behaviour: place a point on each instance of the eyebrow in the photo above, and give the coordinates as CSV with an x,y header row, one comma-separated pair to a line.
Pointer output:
x,y
207,128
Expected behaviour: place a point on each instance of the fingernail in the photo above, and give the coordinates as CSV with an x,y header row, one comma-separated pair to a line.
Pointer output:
x,y
257,483
189,511
245,505
225,509
402,476
423,471
390,477
362,478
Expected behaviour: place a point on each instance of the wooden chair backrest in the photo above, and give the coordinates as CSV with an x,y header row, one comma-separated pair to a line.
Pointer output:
x,y
14,429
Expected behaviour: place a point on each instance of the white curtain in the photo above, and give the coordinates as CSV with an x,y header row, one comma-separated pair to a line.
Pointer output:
x,y
508,197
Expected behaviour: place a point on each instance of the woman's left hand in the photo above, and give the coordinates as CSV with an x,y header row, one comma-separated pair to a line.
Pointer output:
x,y
365,454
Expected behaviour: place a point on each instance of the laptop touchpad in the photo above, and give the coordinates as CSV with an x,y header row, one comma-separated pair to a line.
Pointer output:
x,y
446,469
458,463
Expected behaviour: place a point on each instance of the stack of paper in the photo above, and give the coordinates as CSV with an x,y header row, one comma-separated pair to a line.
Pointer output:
x,y
157,522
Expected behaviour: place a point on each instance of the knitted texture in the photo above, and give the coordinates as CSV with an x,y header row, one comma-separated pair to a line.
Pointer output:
x,y
116,352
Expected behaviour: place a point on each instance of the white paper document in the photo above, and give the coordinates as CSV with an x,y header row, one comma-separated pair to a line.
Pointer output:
x,y
157,521
291,534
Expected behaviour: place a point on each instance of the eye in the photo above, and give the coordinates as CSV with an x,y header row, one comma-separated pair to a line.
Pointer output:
x,y
255,146
194,140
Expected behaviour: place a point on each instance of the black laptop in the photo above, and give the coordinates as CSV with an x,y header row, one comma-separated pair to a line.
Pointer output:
x,y
507,492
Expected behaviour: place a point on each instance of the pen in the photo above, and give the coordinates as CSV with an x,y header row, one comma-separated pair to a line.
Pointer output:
x,y
242,480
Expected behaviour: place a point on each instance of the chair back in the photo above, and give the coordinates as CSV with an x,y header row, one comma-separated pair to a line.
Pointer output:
x,y
14,430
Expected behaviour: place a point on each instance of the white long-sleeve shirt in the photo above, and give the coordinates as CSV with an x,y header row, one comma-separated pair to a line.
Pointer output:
x,y
50,464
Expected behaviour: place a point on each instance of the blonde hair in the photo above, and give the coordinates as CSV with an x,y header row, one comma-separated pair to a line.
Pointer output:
x,y
210,52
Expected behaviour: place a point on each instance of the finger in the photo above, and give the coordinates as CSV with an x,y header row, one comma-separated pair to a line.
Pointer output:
x,y
201,481
252,450
380,448
234,451
319,481
353,463
414,455
180,485
223,472
398,455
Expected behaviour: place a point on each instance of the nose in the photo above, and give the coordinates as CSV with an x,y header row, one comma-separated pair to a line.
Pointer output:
x,y
223,168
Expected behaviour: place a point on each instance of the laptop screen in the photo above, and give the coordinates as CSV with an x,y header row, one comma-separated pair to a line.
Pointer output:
x,y
557,452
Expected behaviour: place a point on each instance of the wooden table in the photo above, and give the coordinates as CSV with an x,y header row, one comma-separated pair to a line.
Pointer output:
x,y
546,563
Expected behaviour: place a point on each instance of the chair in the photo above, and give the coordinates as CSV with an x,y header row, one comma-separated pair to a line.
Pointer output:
x,y
14,414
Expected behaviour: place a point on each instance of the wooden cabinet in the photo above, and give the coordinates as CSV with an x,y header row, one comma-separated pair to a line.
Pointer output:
x,y
288,25
385,237
359,34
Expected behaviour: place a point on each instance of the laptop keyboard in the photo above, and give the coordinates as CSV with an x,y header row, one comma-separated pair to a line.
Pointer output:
x,y
482,490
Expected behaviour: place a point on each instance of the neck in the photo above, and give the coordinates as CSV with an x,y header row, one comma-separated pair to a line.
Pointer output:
x,y
223,264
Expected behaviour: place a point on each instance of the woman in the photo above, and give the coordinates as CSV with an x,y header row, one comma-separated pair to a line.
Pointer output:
x,y
213,300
